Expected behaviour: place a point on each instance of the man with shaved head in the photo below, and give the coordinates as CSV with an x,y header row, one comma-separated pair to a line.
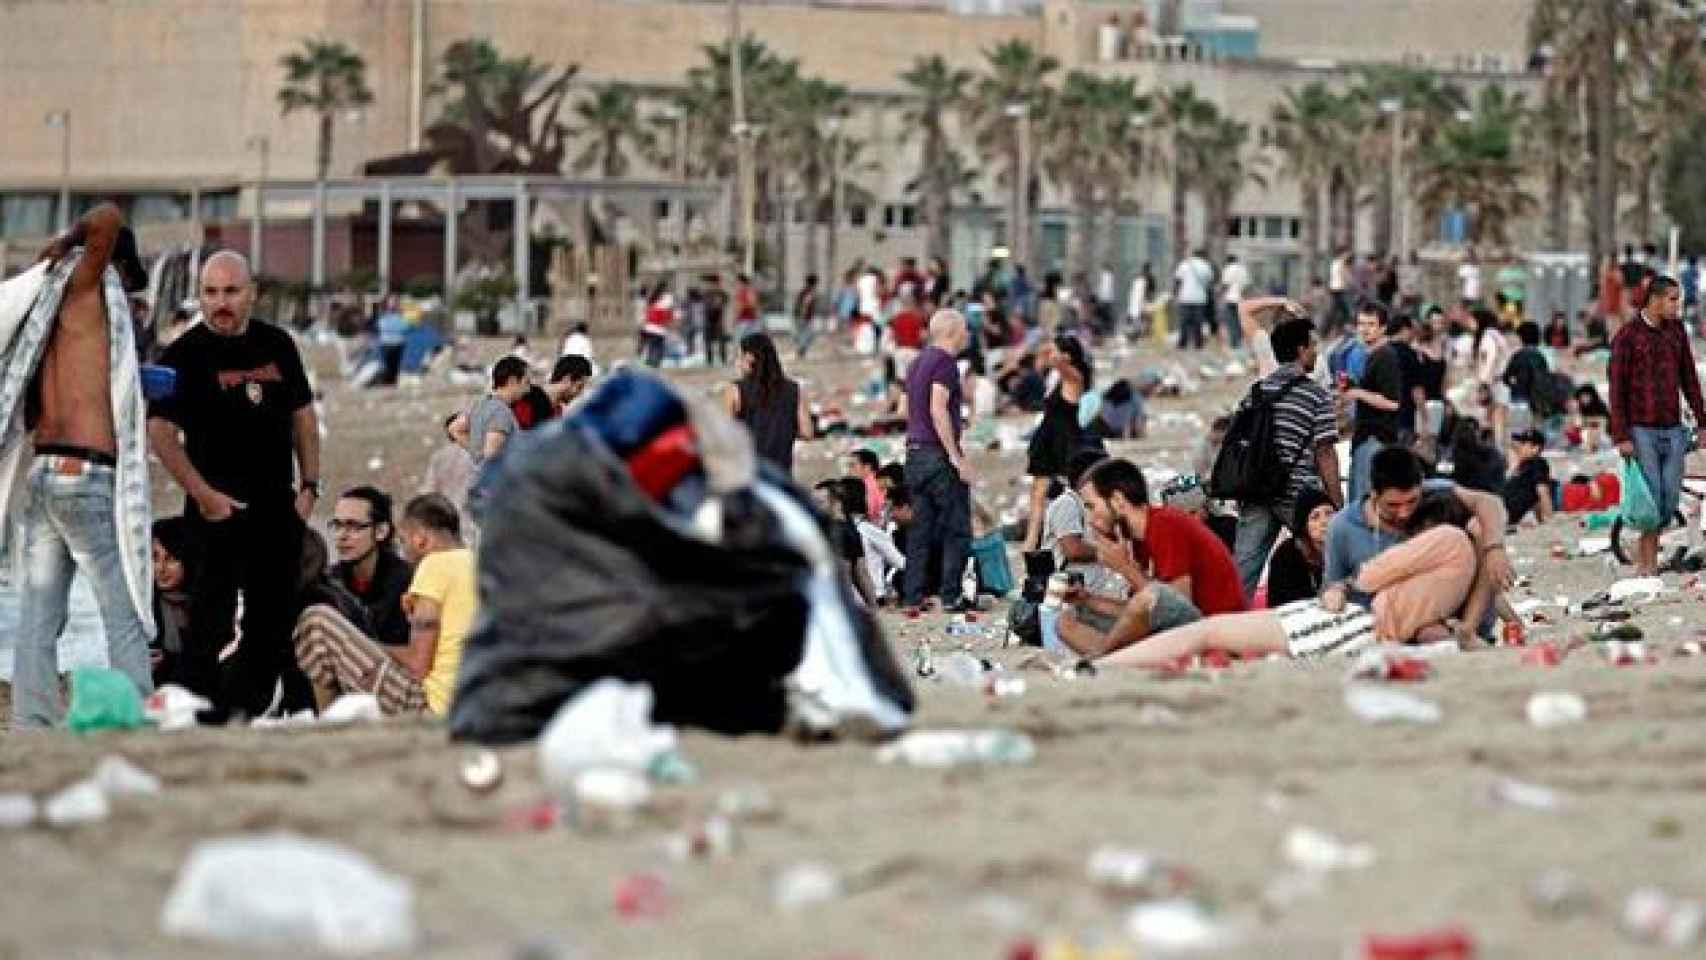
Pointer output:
x,y
938,475
240,437
67,518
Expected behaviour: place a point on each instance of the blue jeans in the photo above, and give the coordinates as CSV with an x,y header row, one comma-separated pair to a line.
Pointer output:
x,y
1661,451
1192,318
1234,329
1362,461
1258,527
69,526
941,518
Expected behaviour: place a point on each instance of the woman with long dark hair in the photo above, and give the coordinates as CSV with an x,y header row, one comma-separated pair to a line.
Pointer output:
x,y
772,406
1059,435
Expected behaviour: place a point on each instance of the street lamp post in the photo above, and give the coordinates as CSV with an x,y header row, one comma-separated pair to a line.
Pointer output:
x,y
743,139
1020,229
62,120
258,222
1394,107
832,126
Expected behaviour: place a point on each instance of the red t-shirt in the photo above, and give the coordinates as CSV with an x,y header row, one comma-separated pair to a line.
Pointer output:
x,y
1177,544
908,329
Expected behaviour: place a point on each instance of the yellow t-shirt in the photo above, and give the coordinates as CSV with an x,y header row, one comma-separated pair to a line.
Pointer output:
x,y
447,577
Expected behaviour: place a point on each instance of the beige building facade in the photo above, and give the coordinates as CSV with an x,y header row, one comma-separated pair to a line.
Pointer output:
x,y
170,102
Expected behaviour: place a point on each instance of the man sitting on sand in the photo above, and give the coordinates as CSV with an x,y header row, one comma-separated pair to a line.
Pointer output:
x,y
1382,519
1175,566
441,602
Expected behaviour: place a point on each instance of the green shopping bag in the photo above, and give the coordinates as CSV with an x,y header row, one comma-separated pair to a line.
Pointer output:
x,y
103,699
1640,511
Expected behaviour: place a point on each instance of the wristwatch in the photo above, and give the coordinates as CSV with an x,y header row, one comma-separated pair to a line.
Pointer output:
x,y
312,486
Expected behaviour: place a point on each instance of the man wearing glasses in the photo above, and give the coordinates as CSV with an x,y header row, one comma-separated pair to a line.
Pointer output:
x,y
368,565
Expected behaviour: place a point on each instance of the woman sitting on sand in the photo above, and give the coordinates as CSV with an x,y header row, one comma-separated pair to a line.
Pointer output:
x,y
1294,571
1416,586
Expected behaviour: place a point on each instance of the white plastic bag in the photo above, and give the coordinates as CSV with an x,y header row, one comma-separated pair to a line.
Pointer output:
x,y
608,725
288,891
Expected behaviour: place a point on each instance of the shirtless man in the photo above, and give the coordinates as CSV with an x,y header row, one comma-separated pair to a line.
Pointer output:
x,y
69,524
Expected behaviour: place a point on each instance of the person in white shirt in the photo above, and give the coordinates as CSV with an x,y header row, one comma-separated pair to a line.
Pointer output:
x,y
1137,302
1191,282
1338,285
1469,279
577,343
1234,278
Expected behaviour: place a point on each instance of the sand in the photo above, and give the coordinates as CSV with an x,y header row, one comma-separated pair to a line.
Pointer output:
x,y
958,863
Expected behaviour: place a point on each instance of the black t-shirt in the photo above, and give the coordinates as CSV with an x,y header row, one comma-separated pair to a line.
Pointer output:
x,y
1384,374
1520,493
235,401
1410,362
1523,373
383,597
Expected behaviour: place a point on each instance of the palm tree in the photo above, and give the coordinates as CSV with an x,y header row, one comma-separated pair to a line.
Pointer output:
x,y
1087,145
499,115
324,77
1308,135
1666,74
611,125
936,89
803,147
708,101
1013,93
1552,140
1224,167
1427,104
1187,119
1476,167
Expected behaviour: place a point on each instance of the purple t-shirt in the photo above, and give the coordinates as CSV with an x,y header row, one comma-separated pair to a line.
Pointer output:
x,y
933,366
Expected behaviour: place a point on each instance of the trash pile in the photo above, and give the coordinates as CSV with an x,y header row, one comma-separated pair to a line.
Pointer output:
x,y
640,540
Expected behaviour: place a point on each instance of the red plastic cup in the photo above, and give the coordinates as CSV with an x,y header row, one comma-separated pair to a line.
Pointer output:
x,y
1542,655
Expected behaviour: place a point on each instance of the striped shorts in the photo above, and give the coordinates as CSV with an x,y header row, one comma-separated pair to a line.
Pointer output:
x,y
1313,632
338,659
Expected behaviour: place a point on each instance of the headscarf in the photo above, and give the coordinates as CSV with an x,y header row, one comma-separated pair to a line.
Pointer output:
x,y
1307,500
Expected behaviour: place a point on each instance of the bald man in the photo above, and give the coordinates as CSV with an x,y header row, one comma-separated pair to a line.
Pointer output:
x,y
938,475
70,521
240,437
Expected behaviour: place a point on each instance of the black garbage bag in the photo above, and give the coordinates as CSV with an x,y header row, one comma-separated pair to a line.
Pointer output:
x,y
724,597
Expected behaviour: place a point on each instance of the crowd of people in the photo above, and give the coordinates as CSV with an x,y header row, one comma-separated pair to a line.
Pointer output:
x,y
1280,546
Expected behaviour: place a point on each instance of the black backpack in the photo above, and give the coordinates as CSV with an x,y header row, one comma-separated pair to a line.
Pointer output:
x,y
1248,468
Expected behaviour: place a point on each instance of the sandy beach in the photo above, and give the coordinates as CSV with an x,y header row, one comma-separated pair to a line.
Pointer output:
x,y
962,862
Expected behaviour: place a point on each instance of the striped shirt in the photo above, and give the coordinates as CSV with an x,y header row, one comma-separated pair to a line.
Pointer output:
x,y
1303,420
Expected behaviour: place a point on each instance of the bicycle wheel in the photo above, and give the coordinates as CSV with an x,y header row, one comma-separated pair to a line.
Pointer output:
x,y
1617,539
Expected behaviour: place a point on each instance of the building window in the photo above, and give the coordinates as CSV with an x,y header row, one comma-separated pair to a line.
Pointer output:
x,y
27,214
660,209
1273,228
901,215
219,207
858,215
1295,228
1235,227
1250,228
908,215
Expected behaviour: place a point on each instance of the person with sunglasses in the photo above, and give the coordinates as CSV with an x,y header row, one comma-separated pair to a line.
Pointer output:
x,y
368,563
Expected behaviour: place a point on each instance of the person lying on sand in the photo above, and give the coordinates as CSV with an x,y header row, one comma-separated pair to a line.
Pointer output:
x,y
1415,586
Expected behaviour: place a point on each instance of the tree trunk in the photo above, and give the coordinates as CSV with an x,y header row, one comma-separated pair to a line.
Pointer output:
x,y
1311,230
1181,192
1605,131
323,156
813,193
1383,209
1218,203
937,238
1558,205
1644,200
1338,237
780,215
1084,225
